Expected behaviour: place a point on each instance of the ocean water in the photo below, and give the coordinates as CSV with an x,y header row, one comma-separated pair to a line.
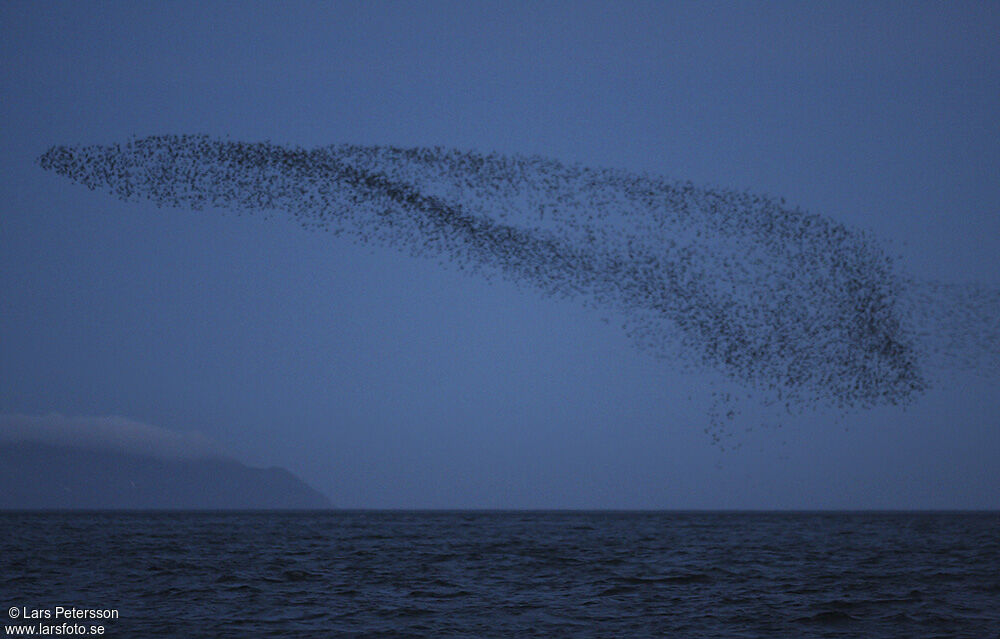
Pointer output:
x,y
505,574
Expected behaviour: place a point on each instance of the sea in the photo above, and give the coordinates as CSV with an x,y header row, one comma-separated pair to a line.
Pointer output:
x,y
501,574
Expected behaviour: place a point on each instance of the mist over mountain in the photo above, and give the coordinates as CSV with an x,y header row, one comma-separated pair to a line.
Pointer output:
x,y
55,462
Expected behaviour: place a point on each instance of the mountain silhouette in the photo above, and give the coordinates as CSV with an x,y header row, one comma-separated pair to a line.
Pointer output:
x,y
45,476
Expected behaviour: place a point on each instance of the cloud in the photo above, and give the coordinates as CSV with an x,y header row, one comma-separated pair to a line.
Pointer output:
x,y
111,433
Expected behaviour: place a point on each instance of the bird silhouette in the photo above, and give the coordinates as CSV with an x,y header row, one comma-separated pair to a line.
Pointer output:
x,y
773,297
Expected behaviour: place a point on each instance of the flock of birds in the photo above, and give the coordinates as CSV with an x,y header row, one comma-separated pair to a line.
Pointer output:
x,y
776,299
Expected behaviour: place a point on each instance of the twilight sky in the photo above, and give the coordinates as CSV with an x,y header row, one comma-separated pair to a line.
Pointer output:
x,y
388,381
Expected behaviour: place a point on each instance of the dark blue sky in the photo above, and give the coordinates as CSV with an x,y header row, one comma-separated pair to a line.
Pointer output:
x,y
388,381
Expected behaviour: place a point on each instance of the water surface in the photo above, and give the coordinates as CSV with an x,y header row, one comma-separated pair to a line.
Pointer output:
x,y
511,574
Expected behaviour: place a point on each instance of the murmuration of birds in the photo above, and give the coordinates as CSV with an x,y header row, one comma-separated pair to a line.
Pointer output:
x,y
776,299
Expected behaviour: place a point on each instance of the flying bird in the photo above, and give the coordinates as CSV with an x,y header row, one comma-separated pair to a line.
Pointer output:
x,y
773,297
